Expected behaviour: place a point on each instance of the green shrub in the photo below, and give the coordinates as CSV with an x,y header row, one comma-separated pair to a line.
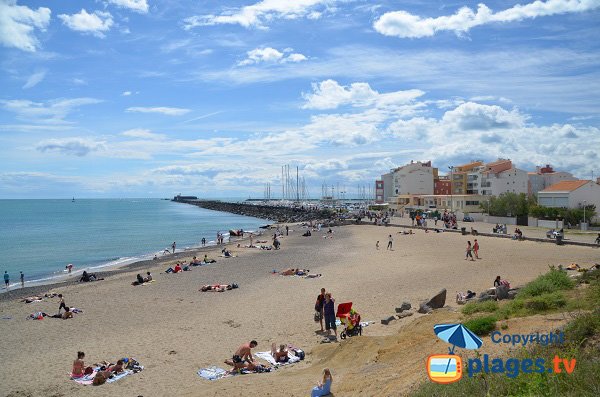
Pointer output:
x,y
545,302
554,280
476,307
583,327
481,325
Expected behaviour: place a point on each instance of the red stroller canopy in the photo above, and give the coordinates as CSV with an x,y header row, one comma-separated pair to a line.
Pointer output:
x,y
343,310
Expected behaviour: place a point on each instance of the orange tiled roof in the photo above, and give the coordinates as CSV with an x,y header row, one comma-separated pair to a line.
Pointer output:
x,y
566,186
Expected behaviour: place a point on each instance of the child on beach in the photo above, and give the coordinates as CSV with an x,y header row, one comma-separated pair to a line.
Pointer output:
x,y
469,253
323,388
78,366
390,241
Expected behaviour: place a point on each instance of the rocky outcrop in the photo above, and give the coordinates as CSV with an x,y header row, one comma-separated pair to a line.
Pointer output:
x,y
270,212
437,302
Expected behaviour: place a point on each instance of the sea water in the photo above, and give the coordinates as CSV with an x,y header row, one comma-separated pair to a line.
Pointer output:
x,y
40,237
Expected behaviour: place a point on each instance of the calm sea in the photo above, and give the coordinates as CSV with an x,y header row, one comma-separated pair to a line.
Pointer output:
x,y
40,237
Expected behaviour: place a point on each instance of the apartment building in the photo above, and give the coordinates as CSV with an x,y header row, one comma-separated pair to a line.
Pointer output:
x,y
544,177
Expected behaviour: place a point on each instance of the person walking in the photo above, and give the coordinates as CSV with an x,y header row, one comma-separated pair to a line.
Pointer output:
x,y
469,253
390,242
203,241
61,303
22,280
287,230
476,249
173,246
377,245
329,313
6,279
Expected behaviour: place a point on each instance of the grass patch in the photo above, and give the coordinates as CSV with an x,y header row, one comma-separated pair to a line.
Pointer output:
x,y
522,307
477,307
554,280
481,325
583,327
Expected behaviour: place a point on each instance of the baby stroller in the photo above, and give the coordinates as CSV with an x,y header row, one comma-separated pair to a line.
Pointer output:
x,y
350,319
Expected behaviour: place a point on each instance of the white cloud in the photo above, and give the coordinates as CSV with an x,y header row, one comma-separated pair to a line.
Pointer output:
x,y
72,146
329,94
95,23
34,79
142,133
18,23
126,93
50,112
474,116
163,110
256,15
140,6
271,55
406,25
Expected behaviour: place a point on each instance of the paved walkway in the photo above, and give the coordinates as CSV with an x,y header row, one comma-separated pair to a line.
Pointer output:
x,y
528,231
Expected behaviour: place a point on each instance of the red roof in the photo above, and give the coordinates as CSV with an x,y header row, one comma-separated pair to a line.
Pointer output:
x,y
566,186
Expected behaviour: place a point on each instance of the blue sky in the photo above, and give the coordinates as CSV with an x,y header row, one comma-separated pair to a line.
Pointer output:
x,y
147,98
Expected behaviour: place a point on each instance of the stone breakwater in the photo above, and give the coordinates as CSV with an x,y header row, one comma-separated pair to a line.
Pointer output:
x,y
278,214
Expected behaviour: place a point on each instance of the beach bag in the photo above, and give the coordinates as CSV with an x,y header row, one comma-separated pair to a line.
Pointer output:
x,y
299,353
317,316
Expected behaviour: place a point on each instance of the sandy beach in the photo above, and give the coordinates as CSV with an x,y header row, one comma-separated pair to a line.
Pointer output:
x,y
173,329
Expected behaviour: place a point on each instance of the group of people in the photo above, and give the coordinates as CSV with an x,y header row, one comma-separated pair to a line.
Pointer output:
x,y
499,229
7,279
325,310
472,249
518,235
89,277
139,280
105,370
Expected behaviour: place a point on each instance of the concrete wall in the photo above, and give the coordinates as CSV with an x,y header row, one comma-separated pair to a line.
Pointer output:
x,y
500,219
550,224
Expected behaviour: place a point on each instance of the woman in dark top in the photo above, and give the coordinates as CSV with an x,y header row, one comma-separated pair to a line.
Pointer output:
x,y
319,306
329,311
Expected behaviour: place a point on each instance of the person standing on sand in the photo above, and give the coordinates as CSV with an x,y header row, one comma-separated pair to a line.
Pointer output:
x,y
22,280
469,253
287,230
6,279
390,242
476,249
329,313
319,306
61,303
173,246
203,241
377,245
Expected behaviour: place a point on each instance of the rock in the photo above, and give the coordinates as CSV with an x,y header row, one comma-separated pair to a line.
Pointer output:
x,y
438,301
405,306
424,309
512,293
387,320
405,314
502,292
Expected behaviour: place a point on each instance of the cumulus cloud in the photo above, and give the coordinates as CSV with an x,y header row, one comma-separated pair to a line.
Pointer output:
x,y
71,146
53,111
126,93
406,25
95,23
271,55
140,6
35,79
163,110
475,116
256,15
18,24
329,94
143,134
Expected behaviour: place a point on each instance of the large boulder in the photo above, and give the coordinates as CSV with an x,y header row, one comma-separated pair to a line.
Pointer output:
x,y
438,301
387,320
502,292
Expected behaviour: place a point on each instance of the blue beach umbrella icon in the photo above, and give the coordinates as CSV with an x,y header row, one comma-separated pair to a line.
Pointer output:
x,y
457,335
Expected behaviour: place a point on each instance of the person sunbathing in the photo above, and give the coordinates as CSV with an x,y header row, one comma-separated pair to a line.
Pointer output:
x,y
219,287
139,280
208,260
78,370
176,269
281,355
313,275
148,278
31,299
116,368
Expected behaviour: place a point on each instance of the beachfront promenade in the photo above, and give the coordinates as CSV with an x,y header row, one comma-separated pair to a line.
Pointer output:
x,y
173,329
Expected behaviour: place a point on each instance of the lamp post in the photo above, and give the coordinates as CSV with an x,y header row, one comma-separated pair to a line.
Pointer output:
x,y
584,203
451,189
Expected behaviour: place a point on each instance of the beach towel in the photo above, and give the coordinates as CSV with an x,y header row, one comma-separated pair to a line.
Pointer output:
x,y
269,358
88,379
213,373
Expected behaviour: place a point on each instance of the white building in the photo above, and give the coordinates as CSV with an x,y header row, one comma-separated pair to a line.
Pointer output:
x,y
571,194
544,177
495,178
413,178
